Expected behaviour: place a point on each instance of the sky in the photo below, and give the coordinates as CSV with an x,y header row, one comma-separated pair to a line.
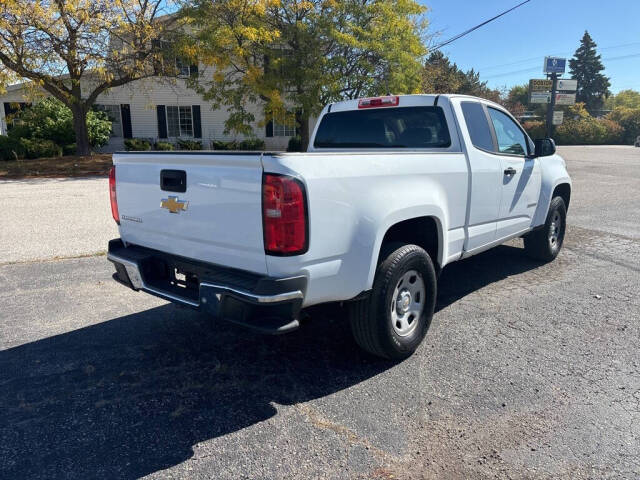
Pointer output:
x,y
511,50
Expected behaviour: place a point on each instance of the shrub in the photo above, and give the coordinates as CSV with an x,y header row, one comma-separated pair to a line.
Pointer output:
x,y
40,148
629,120
163,146
248,144
10,148
251,144
99,127
535,128
588,131
295,144
69,149
50,119
220,145
189,145
136,145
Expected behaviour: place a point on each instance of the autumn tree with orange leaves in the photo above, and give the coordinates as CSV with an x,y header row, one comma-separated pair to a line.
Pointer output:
x,y
77,49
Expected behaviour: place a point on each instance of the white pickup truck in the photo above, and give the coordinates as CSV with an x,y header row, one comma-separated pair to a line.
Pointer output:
x,y
391,190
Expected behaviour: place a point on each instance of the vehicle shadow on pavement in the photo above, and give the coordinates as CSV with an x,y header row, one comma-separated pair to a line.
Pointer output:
x,y
467,276
132,395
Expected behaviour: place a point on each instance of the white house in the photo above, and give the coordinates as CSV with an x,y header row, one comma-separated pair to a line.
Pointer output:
x,y
160,109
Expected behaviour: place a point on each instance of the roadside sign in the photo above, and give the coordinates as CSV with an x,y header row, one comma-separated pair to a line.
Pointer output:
x,y
558,117
540,97
565,98
567,85
540,85
554,65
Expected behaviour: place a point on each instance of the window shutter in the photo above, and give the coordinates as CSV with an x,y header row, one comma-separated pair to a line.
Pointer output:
x,y
197,121
193,70
127,128
269,132
162,121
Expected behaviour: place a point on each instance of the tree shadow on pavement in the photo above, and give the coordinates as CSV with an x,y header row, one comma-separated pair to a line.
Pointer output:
x,y
131,396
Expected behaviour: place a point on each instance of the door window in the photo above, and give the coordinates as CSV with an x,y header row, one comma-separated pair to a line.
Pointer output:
x,y
511,139
478,125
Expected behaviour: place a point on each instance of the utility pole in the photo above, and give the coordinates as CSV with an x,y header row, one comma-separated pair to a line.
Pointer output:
x,y
552,104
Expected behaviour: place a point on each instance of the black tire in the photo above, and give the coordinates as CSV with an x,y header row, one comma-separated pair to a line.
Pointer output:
x,y
539,244
371,318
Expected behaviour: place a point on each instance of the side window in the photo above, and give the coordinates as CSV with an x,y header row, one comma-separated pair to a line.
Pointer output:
x,y
477,125
510,138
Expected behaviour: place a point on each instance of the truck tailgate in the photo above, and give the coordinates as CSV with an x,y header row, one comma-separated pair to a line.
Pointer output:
x,y
217,218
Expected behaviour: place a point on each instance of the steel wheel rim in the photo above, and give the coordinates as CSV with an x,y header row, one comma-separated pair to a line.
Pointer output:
x,y
407,303
554,230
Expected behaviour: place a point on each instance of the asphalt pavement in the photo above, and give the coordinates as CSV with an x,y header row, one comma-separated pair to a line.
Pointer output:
x,y
528,370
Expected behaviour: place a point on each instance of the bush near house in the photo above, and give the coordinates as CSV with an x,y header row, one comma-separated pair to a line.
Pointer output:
x,y
40,148
10,148
51,120
163,146
246,145
189,145
295,144
137,145
69,149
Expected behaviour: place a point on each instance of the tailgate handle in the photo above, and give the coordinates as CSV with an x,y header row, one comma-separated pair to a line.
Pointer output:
x,y
173,180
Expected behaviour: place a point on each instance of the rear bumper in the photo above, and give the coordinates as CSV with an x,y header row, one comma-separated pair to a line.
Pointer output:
x,y
270,305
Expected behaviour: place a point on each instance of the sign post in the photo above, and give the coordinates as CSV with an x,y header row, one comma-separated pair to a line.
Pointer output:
x,y
552,67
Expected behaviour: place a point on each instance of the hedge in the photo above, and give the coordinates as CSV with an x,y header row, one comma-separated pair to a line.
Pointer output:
x,y
10,148
137,145
39,148
189,145
247,145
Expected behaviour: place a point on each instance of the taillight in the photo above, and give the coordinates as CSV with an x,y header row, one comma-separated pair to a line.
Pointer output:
x,y
388,101
284,215
112,195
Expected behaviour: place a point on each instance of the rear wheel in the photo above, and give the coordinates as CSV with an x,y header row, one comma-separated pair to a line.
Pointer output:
x,y
394,319
545,243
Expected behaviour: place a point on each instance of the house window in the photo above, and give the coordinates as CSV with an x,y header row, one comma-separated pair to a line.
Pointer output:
x,y
281,129
184,68
113,112
179,121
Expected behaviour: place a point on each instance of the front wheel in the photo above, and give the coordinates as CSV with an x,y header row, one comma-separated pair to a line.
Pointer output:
x,y
394,319
545,243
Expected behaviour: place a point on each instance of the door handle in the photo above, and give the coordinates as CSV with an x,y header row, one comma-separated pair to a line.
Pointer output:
x,y
510,171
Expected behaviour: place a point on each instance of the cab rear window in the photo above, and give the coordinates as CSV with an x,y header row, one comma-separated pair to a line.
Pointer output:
x,y
403,127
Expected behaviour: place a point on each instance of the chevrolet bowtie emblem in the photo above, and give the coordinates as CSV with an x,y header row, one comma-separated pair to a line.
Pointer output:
x,y
174,205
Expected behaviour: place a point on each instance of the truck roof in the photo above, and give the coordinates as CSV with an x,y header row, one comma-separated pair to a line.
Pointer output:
x,y
412,100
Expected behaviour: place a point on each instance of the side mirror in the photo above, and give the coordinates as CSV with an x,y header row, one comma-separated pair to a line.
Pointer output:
x,y
544,147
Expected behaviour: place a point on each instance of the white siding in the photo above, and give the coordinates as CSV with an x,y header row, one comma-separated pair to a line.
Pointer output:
x,y
144,95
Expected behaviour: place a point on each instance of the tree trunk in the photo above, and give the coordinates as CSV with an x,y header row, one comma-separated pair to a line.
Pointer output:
x,y
81,130
302,119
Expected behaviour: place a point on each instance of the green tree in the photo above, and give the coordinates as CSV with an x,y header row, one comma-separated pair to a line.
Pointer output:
x,y
289,58
629,119
586,67
77,49
439,75
624,98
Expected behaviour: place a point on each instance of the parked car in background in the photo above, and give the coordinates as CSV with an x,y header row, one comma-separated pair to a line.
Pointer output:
x,y
391,190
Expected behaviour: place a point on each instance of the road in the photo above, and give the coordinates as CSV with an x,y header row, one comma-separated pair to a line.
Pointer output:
x,y
528,370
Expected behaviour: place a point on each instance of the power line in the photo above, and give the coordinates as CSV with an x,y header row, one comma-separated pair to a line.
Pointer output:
x,y
466,32
565,53
525,70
